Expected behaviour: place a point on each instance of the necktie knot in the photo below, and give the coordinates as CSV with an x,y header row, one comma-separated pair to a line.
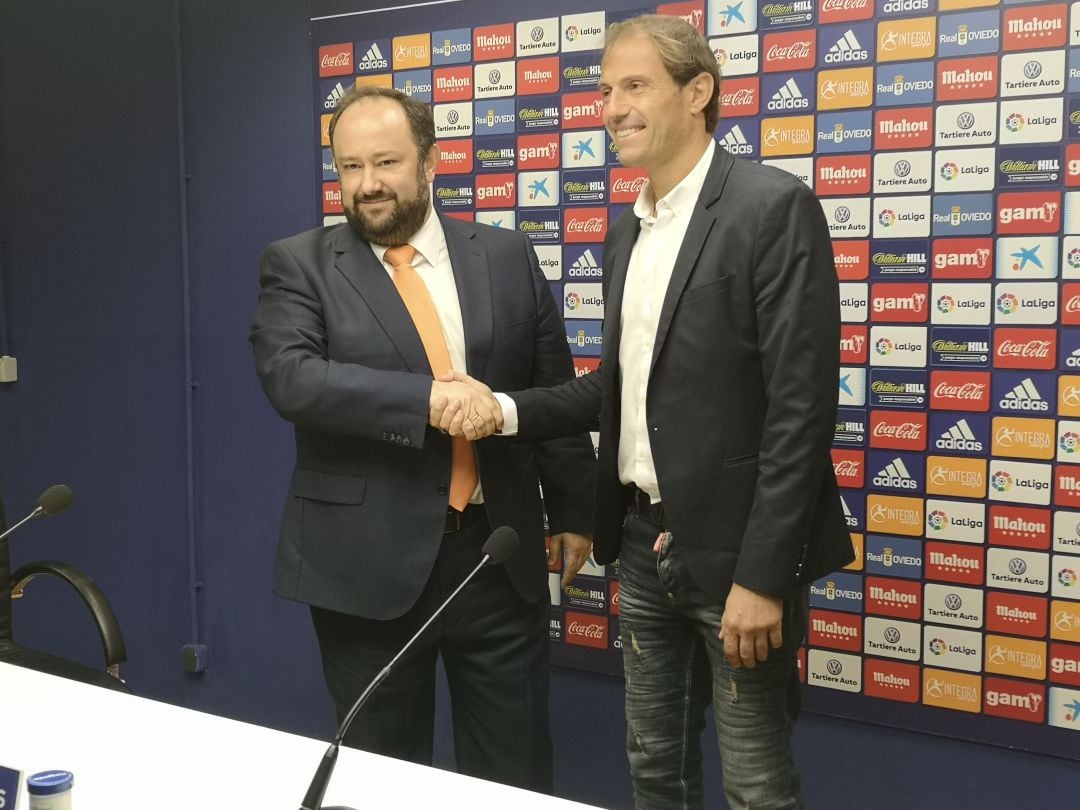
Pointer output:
x,y
400,254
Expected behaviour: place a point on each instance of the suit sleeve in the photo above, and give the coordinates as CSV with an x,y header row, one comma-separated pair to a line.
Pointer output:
x,y
567,465
798,320
305,384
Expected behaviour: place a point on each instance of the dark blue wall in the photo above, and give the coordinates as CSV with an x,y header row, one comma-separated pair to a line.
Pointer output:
x,y
133,134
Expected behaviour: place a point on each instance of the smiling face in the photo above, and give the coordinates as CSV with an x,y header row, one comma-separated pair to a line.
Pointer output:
x,y
384,185
656,125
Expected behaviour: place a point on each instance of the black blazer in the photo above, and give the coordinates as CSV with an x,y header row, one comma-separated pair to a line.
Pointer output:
x,y
742,393
339,357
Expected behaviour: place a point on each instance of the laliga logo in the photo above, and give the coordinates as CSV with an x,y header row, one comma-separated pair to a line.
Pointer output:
x,y
1007,304
1001,481
937,646
883,346
1069,442
887,218
571,33
949,171
1074,258
1014,123
573,301
1067,577
937,519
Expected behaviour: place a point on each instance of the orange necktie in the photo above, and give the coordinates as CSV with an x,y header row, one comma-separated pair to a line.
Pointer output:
x,y
414,293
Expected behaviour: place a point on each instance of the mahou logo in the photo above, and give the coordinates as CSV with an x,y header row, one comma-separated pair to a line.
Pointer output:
x,y
585,224
455,156
897,430
834,11
1018,614
904,128
960,390
969,78
1032,29
851,258
795,50
894,597
336,60
1029,212
626,184
963,258
740,97
1025,348
332,198
843,176
587,630
850,468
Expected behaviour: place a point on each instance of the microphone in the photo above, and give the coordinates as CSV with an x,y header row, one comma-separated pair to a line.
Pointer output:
x,y
502,543
52,501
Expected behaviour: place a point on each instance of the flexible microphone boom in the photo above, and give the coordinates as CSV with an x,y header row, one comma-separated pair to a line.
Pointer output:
x,y
497,548
52,501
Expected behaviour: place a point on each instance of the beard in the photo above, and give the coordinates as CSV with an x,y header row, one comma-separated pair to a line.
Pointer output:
x,y
403,221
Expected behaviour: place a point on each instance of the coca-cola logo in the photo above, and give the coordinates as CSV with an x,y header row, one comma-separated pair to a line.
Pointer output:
x,y
792,52
632,186
1073,304
905,430
844,5
846,468
739,98
591,225
1031,348
335,60
587,631
969,391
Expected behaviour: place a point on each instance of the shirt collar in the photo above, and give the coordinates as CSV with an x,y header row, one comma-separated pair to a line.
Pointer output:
x,y
683,196
427,240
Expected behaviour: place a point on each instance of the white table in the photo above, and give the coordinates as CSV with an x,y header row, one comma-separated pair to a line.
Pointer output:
x,y
130,752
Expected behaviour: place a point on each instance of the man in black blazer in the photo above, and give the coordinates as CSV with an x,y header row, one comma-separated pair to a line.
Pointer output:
x,y
372,538
715,401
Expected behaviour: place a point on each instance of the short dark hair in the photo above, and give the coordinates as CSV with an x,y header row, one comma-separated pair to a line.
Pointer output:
x,y
682,49
417,113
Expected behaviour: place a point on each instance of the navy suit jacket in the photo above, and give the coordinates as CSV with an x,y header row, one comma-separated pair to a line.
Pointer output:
x,y
742,391
339,357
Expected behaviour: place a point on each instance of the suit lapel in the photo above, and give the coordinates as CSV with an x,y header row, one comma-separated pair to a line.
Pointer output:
x,y
618,262
472,275
356,261
701,222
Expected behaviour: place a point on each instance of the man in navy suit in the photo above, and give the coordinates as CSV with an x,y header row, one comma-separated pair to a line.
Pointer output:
x,y
386,514
715,401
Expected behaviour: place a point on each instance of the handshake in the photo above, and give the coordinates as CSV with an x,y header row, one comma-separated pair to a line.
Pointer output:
x,y
462,406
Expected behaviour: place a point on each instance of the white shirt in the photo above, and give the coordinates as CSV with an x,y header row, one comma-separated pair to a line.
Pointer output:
x,y
652,262
432,264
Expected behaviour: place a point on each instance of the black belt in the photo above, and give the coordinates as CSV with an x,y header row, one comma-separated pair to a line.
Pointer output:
x,y
456,521
642,506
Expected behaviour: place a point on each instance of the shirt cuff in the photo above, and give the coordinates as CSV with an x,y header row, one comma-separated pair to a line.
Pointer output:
x,y
510,415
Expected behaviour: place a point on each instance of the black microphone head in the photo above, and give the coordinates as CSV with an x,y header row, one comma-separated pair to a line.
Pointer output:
x,y
55,499
502,543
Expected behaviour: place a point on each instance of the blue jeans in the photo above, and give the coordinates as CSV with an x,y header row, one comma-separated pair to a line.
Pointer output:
x,y
674,664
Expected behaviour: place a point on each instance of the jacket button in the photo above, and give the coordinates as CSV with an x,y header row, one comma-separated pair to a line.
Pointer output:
x,y
406,441
442,489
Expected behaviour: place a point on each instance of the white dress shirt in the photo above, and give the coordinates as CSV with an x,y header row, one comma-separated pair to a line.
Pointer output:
x,y
432,264
652,262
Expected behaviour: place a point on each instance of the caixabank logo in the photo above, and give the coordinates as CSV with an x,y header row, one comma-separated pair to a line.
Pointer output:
x,y
1027,257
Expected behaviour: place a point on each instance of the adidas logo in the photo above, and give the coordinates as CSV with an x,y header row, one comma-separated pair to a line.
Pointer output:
x,y
735,142
331,101
848,517
895,476
1073,360
1024,397
847,49
373,59
959,437
585,267
788,97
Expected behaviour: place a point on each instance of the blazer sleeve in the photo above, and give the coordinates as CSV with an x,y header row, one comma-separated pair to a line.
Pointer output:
x,y
798,320
566,462
305,383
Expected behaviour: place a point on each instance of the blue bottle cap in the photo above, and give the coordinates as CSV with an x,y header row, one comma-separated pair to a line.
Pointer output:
x,y
49,783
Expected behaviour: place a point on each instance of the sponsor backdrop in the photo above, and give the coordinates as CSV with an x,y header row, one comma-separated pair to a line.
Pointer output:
x,y
943,138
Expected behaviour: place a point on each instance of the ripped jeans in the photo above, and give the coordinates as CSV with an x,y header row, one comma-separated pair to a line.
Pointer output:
x,y
674,665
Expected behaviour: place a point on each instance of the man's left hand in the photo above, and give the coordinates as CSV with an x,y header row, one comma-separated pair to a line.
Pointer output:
x,y
751,624
578,548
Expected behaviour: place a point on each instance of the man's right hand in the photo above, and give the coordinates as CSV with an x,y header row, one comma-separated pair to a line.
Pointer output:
x,y
462,406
